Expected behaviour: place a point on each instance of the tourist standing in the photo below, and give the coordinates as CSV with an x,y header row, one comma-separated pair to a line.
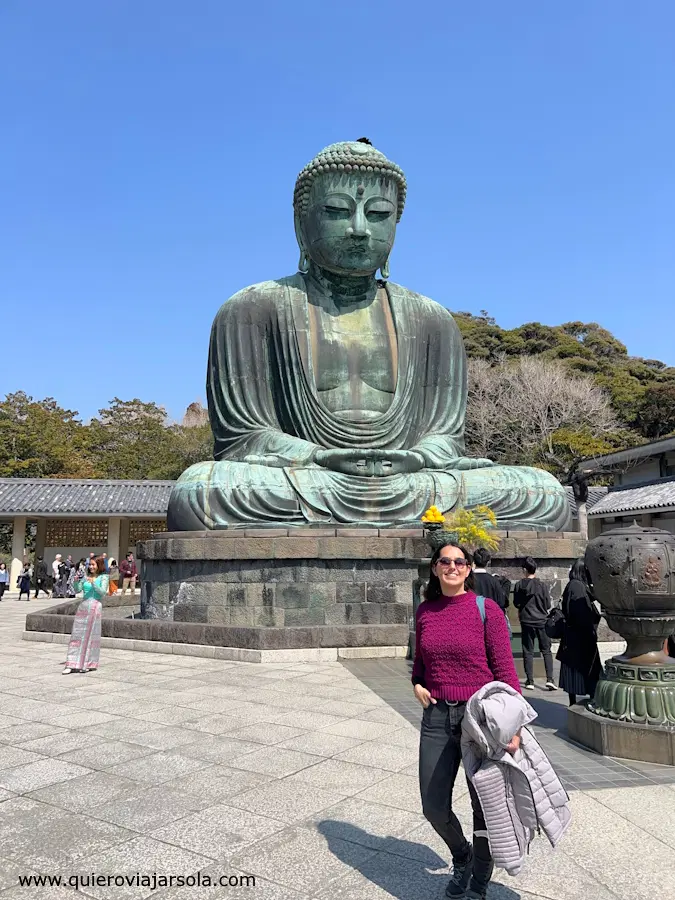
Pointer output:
x,y
580,665
532,599
113,576
485,582
71,576
4,579
462,644
129,573
23,582
41,577
56,576
85,639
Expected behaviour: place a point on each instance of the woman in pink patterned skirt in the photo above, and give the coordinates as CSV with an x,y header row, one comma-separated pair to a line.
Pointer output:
x,y
85,639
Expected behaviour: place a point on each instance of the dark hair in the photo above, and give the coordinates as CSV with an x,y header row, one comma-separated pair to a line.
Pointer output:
x,y
529,565
433,590
100,565
129,554
579,572
481,557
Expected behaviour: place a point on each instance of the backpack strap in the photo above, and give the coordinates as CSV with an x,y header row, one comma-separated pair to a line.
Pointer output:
x,y
480,603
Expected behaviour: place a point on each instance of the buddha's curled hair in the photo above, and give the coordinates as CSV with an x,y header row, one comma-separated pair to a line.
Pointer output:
x,y
348,157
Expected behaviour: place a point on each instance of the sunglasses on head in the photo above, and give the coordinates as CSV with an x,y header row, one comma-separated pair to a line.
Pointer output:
x,y
445,562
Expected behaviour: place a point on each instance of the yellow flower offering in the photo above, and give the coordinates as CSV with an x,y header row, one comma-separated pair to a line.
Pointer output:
x,y
433,516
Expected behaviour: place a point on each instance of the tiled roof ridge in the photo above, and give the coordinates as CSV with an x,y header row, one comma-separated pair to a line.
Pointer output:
x,y
135,482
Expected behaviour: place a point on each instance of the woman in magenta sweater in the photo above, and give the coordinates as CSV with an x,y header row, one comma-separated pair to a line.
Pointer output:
x,y
456,654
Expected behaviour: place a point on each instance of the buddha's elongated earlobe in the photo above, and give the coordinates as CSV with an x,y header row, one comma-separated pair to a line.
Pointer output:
x,y
384,269
303,265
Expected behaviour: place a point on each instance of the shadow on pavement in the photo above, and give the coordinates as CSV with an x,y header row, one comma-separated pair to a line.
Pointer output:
x,y
405,870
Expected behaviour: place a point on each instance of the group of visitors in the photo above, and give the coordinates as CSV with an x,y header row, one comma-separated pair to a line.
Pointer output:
x,y
578,651
60,580
464,676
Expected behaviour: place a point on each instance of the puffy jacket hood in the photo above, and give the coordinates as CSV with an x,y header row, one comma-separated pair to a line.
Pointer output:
x,y
493,715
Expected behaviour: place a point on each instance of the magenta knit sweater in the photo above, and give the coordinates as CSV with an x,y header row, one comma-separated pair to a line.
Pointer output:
x,y
455,653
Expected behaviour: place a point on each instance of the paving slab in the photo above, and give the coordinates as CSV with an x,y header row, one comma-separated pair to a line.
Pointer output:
x,y
274,761
142,855
346,778
302,859
242,885
86,792
103,754
380,755
287,801
217,783
151,809
31,777
219,831
158,767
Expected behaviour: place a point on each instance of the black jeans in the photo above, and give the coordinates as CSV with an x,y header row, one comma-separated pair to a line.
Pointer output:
x,y
440,756
40,585
530,632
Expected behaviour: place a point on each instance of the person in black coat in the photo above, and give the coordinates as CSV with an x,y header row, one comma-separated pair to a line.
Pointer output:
x,y
484,582
580,666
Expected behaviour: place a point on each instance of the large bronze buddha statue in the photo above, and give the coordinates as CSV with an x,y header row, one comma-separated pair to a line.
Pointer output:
x,y
339,398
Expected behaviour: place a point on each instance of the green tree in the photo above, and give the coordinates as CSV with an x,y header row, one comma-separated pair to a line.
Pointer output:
x,y
40,439
656,413
131,439
134,439
639,389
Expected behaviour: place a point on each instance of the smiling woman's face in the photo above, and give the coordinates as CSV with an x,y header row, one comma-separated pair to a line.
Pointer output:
x,y
350,224
452,570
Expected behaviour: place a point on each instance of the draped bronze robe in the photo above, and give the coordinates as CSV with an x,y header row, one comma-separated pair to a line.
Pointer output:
x,y
263,401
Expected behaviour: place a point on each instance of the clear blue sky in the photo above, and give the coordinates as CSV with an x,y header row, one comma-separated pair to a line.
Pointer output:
x,y
149,150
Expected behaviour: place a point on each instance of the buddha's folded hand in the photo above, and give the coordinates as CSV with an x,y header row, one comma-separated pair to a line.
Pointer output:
x,y
370,463
463,462
265,459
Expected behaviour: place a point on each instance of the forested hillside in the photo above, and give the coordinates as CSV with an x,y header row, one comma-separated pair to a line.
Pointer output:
x,y
641,391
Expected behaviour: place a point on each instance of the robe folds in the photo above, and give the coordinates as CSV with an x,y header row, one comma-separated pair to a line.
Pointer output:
x,y
264,406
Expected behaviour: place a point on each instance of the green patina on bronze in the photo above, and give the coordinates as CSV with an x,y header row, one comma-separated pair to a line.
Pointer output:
x,y
337,397
633,572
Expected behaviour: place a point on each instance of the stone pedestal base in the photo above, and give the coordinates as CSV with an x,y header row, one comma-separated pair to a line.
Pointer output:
x,y
623,740
273,589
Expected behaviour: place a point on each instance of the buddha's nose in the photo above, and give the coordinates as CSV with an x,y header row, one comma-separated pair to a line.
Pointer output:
x,y
359,226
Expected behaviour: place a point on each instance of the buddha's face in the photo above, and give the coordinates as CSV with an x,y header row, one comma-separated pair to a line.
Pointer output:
x,y
350,223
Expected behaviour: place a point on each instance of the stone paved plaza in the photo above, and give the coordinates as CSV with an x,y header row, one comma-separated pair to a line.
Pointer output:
x,y
302,774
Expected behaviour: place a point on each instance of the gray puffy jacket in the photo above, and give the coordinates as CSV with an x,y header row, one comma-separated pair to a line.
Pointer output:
x,y
520,794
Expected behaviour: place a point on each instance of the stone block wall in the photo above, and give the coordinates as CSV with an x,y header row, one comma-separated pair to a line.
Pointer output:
x,y
347,578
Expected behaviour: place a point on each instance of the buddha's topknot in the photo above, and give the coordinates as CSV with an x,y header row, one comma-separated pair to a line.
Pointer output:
x,y
348,157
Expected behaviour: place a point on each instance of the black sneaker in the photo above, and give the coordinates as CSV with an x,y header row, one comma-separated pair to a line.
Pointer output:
x,y
461,875
475,895
529,686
